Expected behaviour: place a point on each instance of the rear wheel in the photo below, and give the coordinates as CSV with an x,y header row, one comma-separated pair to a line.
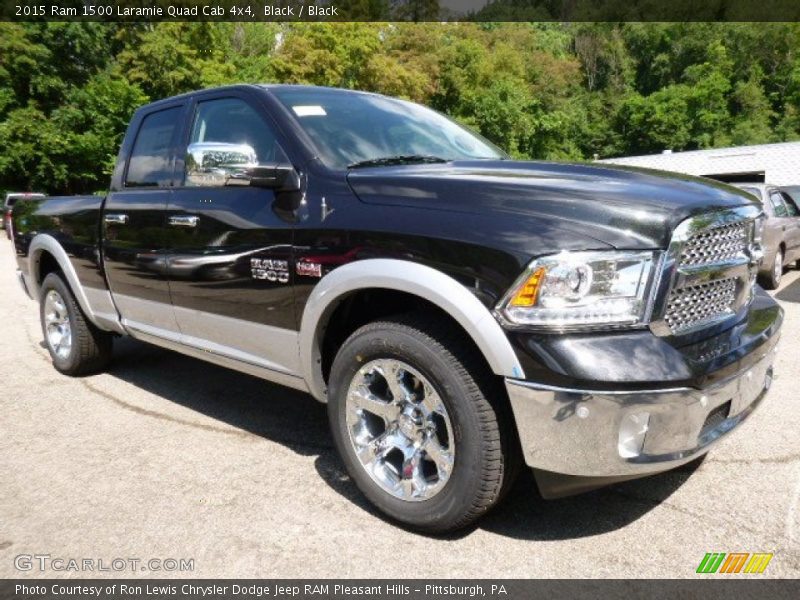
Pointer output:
x,y
772,280
76,346
420,424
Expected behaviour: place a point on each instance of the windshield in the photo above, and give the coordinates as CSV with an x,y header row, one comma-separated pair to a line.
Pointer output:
x,y
350,128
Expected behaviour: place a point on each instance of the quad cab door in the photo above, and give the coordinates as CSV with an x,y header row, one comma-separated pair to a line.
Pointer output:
x,y
792,227
133,222
230,262
786,220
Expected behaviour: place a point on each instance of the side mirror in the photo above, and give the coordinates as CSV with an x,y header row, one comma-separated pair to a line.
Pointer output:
x,y
219,164
280,177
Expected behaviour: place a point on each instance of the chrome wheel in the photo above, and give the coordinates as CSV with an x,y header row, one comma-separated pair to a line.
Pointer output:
x,y
400,430
777,268
57,326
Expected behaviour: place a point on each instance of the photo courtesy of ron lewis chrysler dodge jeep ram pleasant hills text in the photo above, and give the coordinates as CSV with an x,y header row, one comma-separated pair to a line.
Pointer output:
x,y
462,314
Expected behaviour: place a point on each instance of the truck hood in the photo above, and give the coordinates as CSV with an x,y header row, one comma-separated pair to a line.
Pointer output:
x,y
621,206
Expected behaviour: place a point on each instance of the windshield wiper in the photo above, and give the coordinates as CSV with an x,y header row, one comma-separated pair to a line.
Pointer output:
x,y
400,159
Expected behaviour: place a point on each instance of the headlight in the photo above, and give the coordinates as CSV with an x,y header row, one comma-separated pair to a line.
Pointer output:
x,y
574,290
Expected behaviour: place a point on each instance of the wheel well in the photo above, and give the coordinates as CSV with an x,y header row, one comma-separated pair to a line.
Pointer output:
x,y
366,306
47,264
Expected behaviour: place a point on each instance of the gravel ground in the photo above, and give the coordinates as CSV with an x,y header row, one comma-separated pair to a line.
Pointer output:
x,y
165,456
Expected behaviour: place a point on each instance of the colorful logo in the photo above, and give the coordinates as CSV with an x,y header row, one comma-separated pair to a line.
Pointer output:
x,y
734,562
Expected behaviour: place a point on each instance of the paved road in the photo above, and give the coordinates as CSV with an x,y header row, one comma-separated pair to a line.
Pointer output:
x,y
168,457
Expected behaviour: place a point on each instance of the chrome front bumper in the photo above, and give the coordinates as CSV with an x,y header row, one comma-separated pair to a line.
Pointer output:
x,y
589,433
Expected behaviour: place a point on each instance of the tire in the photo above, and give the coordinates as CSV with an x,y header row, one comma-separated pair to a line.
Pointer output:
x,y
772,279
75,345
473,424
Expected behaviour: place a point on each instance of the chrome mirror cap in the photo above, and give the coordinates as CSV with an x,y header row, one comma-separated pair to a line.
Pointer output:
x,y
220,164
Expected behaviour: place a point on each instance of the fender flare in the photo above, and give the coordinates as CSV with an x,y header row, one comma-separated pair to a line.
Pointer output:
x,y
107,320
409,277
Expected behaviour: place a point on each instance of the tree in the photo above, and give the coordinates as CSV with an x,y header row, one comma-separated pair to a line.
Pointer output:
x,y
334,54
33,152
161,60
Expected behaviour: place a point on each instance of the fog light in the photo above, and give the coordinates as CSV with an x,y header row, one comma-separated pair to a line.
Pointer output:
x,y
632,432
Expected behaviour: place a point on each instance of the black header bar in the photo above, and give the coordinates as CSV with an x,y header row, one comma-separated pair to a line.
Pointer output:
x,y
709,588
401,10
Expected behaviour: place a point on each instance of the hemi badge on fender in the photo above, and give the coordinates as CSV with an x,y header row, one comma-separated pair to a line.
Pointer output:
x,y
309,269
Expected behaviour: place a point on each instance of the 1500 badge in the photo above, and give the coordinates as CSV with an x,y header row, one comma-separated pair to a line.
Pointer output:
x,y
276,271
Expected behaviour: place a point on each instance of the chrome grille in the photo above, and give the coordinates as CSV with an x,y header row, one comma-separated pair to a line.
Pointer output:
x,y
717,244
697,304
708,271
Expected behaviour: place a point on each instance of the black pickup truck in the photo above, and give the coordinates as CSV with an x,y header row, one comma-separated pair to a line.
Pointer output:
x,y
460,313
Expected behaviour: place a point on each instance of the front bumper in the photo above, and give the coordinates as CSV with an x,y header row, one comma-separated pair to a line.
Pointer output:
x,y
595,433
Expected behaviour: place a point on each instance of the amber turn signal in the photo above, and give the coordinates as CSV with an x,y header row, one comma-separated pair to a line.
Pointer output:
x,y
526,295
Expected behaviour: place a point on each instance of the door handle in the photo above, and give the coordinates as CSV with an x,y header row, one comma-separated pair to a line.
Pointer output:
x,y
184,220
116,219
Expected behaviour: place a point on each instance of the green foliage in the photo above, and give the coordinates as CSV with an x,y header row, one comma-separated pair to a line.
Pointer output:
x,y
334,54
539,90
94,118
161,61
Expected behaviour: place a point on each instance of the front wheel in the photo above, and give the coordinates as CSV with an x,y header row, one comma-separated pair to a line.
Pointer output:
x,y
421,425
76,346
772,280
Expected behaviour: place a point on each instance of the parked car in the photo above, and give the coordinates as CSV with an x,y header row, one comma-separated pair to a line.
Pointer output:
x,y
781,238
8,205
458,311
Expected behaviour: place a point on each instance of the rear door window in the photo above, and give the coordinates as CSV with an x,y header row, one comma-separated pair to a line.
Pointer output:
x,y
150,165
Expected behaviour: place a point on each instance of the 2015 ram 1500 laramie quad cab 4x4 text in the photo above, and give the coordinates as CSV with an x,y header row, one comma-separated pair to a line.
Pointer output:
x,y
459,312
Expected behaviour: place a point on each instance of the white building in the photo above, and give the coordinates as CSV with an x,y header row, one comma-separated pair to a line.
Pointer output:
x,y
778,164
